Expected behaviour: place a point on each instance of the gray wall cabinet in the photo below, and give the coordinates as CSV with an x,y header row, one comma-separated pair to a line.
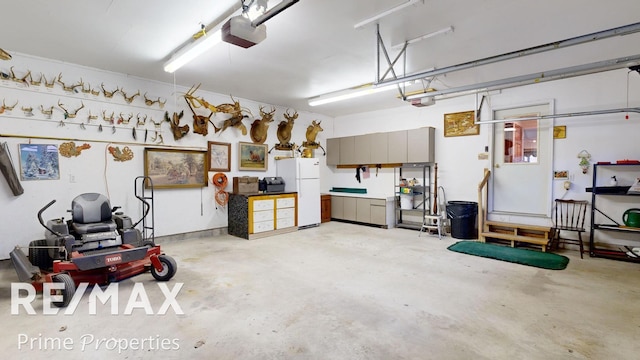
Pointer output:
x,y
397,147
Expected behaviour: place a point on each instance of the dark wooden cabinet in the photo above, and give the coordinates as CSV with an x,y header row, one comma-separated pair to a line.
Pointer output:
x,y
325,208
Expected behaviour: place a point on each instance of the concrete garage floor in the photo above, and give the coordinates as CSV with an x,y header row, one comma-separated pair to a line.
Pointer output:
x,y
343,291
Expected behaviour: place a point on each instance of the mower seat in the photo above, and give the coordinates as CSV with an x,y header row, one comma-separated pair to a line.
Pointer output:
x,y
91,213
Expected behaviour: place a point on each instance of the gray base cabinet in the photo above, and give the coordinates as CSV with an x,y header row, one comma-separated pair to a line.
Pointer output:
x,y
357,209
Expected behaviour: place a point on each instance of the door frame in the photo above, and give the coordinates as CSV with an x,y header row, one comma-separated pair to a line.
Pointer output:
x,y
513,216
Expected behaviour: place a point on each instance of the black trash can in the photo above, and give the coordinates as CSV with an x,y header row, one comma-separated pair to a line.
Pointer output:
x,y
463,216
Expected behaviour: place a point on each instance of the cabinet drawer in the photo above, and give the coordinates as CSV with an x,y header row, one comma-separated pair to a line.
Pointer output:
x,y
262,226
285,223
378,202
285,202
262,215
288,213
259,205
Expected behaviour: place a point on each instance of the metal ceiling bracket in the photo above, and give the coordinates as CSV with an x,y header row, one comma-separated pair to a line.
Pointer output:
x,y
618,31
534,78
390,64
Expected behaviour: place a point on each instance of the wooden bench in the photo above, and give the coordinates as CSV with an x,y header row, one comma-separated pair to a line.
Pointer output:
x,y
531,234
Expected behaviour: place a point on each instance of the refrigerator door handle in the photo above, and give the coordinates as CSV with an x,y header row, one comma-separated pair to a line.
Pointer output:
x,y
299,173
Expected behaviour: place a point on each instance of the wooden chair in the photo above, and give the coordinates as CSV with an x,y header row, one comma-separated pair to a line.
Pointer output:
x,y
569,216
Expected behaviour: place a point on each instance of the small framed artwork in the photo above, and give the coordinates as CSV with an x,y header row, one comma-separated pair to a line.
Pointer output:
x,y
460,124
172,168
219,156
561,175
39,162
252,156
559,132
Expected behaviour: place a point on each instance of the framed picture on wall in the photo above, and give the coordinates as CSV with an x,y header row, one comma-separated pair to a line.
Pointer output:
x,y
219,156
560,132
172,168
460,124
252,156
39,162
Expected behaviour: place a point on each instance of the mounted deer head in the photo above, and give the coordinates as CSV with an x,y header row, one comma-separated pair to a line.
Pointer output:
x,y
285,127
260,127
312,131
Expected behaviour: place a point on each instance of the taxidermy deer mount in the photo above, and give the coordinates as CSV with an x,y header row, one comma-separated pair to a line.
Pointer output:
x,y
260,127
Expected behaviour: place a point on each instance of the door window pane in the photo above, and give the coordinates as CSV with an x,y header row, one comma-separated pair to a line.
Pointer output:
x,y
521,141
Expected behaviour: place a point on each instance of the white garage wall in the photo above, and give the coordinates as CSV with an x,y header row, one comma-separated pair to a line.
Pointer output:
x,y
176,210
605,137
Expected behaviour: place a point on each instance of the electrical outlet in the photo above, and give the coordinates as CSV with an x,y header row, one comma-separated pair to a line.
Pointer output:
x,y
72,178
567,185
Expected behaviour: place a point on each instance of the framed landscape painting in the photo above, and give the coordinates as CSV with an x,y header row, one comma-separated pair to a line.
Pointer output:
x,y
171,168
39,162
252,156
460,124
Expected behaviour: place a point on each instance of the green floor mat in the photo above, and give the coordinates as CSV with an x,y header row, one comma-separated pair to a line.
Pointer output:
x,y
514,255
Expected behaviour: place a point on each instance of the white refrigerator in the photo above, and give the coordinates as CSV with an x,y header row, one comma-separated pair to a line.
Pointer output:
x,y
302,175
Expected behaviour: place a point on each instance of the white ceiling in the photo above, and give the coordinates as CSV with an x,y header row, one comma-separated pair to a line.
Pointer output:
x,y
312,47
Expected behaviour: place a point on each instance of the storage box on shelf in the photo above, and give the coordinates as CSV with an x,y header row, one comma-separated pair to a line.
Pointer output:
x,y
602,221
245,184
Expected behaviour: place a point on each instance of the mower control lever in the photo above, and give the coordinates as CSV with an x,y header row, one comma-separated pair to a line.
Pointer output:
x,y
42,221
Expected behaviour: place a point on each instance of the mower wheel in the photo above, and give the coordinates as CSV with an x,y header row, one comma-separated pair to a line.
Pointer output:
x,y
68,291
169,268
39,254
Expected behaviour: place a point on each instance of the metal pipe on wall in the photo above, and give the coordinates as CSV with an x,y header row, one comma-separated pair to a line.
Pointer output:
x,y
573,114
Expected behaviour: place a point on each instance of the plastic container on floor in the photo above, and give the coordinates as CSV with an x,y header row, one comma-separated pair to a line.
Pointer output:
x,y
463,216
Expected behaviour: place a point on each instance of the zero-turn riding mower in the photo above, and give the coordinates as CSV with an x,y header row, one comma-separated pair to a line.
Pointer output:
x,y
98,245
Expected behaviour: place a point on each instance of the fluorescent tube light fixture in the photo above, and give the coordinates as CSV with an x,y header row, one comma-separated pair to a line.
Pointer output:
x,y
385,13
193,50
352,93
424,37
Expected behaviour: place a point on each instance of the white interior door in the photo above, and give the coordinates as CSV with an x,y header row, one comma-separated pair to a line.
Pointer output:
x,y
522,161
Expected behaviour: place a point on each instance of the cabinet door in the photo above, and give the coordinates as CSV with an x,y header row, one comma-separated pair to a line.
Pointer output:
x,y
337,207
333,151
325,211
420,145
347,151
362,149
397,147
379,148
378,212
363,210
350,208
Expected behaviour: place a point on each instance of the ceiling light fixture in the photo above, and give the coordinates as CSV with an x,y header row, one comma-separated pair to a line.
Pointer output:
x,y
193,50
385,13
424,37
351,93
239,30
